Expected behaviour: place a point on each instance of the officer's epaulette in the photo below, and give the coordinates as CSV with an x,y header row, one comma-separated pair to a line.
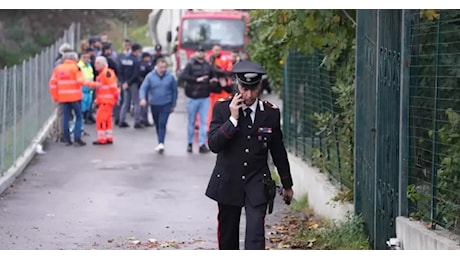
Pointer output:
x,y
270,105
225,99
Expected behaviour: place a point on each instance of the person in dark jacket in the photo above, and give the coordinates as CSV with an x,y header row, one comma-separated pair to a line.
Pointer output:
x,y
158,54
244,130
129,78
200,79
145,68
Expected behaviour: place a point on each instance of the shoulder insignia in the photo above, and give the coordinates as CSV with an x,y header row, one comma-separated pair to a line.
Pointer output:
x,y
225,99
270,105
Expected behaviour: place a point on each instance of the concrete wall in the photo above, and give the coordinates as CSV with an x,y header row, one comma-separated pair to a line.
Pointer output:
x,y
413,235
308,180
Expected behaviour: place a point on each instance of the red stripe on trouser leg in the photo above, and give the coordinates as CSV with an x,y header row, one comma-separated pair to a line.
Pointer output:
x,y
218,231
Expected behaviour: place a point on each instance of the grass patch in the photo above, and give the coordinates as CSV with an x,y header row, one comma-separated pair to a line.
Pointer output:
x,y
303,229
301,204
346,235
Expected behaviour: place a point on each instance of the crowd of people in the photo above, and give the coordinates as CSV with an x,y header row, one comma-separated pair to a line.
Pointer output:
x,y
143,83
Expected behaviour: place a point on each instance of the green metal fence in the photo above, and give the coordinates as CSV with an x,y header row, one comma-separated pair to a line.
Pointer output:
x,y
407,119
434,180
310,110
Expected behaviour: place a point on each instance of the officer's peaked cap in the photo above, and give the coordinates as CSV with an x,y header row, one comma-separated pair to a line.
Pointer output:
x,y
248,73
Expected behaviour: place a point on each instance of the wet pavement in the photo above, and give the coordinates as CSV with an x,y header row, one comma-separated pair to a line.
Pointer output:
x,y
116,197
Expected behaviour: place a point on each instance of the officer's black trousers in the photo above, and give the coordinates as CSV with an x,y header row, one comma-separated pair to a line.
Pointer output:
x,y
228,229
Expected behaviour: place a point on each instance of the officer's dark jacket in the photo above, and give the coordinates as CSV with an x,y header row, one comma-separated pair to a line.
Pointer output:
x,y
242,154
129,69
192,71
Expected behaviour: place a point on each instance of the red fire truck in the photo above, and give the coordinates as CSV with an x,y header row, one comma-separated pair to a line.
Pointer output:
x,y
229,28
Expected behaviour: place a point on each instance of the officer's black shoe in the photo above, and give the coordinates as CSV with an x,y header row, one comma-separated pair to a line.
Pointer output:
x,y
123,125
189,148
79,143
68,143
138,125
204,149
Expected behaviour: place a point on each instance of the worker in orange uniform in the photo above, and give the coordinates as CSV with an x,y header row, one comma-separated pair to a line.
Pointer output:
x,y
66,88
106,97
222,66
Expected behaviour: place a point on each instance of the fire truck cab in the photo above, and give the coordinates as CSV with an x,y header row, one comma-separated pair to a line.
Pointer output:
x,y
228,28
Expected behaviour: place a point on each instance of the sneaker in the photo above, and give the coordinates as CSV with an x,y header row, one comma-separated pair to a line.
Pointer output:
x,y
79,143
189,148
160,148
123,125
204,149
98,143
138,125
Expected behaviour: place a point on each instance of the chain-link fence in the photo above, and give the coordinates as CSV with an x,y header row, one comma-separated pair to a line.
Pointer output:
x,y
434,181
25,103
311,113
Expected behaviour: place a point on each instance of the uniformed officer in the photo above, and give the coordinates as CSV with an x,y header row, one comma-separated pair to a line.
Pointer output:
x,y
243,130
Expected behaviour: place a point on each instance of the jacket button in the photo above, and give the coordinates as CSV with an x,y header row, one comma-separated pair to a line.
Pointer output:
x,y
243,177
249,126
245,164
218,175
247,150
249,137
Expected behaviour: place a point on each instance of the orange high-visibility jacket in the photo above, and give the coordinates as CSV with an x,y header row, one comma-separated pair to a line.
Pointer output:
x,y
66,82
108,92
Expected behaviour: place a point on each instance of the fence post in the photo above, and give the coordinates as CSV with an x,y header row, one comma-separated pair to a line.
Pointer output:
x,y
404,114
23,106
434,157
376,116
5,87
35,99
15,120
78,32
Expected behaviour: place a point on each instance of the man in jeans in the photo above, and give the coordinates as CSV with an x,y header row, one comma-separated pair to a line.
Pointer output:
x,y
160,89
129,78
199,76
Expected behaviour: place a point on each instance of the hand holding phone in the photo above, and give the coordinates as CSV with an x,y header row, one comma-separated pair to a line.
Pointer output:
x,y
235,105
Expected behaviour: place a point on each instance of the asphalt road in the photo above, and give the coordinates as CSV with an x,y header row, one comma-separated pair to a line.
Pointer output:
x,y
115,197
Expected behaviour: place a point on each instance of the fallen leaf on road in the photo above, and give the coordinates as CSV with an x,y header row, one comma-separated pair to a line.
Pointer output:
x,y
275,239
110,240
282,246
152,240
311,242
